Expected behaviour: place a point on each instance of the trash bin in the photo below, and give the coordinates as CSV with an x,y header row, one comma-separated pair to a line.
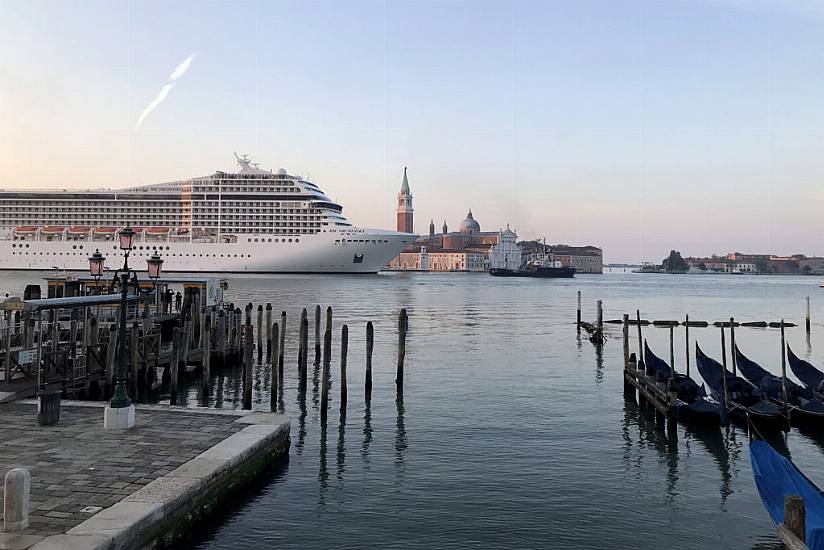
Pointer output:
x,y
48,407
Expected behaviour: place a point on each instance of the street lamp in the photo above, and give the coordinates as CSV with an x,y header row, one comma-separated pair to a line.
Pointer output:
x,y
96,262
120,412
155,264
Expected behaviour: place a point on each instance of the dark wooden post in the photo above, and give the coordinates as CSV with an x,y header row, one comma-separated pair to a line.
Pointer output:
x,y
133,359
733,358
221,335
268,330
206,350
344,349
578,313
808,314
672,347
329,328
248,362
111,347
259,329
687,346
317,335
324,395
282,347
795,517
177,336
303,356
724,363
599,321
640,338
626,341
370,344
402,328
273,383
248,317
783,366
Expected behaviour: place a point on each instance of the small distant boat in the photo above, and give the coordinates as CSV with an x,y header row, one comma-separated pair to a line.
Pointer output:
x,y
692,398
648,267
695,270
777,478
745,401
810,376
803,406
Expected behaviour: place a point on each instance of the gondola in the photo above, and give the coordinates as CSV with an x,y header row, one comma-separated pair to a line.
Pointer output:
x,y
810,376
744,400
803,407
776,478
692,399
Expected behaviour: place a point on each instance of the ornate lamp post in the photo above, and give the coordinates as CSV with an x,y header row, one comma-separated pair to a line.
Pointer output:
x,y
120,412
96,262
155,264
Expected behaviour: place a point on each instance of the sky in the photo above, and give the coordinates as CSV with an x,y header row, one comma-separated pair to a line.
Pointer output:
x,y
636,126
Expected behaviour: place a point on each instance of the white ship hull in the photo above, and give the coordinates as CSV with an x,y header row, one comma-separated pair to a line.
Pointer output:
x,y
344,250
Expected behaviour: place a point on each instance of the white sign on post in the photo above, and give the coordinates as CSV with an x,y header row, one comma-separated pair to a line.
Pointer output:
x,y
26,356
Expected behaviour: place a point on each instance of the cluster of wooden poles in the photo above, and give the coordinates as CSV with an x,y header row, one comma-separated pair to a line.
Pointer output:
x,y
275,345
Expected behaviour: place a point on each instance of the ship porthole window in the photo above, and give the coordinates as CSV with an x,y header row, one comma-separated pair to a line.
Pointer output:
x,y
297,240
290,240
27,246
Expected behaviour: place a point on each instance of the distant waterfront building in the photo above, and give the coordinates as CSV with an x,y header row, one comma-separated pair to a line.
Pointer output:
x,y
405,210
736,262
506,254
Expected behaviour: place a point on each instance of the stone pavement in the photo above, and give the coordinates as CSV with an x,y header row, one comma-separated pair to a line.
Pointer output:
x,y
78,468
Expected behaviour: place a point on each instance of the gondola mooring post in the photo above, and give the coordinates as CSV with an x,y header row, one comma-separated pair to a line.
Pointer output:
x,y
733,349
687,338
783,366
724,363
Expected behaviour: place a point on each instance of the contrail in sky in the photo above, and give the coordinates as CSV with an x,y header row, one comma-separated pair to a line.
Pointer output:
x,y
179,71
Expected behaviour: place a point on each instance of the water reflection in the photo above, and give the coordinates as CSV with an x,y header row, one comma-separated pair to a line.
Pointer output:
x,y
716,444
341,454
301,421
599,364
323,473
401,442
367,433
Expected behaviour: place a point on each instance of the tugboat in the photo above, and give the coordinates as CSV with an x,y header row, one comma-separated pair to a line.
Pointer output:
x,y
540,264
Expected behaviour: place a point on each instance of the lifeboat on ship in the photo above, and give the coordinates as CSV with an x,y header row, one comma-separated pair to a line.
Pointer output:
x,y
158,230
79,230
107,233
25,229
53,229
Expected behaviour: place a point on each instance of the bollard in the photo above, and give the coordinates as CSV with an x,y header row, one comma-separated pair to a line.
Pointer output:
x,y
795,517
317,335
402,328
273,383
344,348
370,344
17,490
248,362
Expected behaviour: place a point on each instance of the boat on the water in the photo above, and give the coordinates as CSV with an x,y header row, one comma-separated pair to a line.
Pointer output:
x,y
743,400
249,221
810,376
777,478
692,399
540,264
803,407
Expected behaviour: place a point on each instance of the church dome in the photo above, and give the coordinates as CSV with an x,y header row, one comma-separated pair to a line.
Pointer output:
x,y
469,225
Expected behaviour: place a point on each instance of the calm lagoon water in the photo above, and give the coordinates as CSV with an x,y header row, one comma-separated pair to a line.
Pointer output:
x,y
511,432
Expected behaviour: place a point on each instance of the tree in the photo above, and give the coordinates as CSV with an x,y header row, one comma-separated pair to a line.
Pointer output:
x,y
674,263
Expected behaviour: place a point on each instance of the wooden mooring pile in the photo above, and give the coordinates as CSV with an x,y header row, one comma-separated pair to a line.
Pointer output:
x,y
69,345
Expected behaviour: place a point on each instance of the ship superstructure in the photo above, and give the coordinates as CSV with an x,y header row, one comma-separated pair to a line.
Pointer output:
x,y
253,220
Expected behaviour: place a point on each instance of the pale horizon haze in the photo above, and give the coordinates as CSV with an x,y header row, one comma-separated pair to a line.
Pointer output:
x,y
636,126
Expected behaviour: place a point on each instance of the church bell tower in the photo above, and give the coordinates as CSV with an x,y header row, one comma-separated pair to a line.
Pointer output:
x,y
404,210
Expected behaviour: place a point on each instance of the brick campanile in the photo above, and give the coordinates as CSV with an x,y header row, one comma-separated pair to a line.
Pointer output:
x,y
405,211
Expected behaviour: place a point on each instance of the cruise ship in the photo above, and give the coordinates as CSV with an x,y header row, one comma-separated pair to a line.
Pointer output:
x,y
251,221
